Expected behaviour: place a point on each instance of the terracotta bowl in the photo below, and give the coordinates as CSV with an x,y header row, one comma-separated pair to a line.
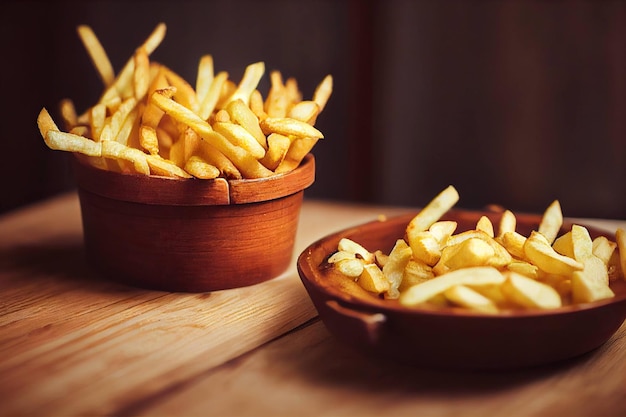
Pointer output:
x,y
450,338
190,235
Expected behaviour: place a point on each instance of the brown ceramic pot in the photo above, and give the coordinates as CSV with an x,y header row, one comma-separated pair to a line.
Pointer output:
x,y
449,338
189,234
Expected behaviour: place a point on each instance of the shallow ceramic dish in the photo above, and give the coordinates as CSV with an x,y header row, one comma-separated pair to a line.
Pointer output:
x,y
450,338
189,234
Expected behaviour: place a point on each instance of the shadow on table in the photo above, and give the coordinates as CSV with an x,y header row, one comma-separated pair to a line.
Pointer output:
x,y
61,262
329,362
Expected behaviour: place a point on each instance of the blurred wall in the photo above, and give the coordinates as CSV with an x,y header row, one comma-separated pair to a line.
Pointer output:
x,y
515,103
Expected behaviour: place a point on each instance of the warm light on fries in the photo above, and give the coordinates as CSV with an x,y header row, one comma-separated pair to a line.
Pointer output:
x,y
487,269
162,125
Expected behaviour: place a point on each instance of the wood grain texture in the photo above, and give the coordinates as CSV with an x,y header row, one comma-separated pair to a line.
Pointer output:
x,y
72,343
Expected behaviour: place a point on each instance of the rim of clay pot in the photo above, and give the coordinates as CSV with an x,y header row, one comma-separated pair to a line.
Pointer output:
x,y
160,190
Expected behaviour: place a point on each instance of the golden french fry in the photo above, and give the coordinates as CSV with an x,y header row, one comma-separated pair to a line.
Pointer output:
x,y
475,276
68,113
433,211
163,167
563,244
209,103
508,223
141,75
72,143
204,78
415,272
305,111
292,90
277,99
513,242
115,150
468,253
298,149
538,250
278,146
530,293
199,168
216,158
484,224
121,88
352,268
149,140
249,82
257,105
603,248
241,114
97,54
551,221
373,280
97,119
350,246
323,91
426,247
289,127
591,284
45,122
471,299
184,92
394,267
524,268
239,136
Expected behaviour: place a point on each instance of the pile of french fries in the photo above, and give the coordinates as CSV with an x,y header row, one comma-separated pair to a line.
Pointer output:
x,y
487,269
150,121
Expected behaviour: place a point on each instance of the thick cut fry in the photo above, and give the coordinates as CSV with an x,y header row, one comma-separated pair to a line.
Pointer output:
x,y
433,211
538,250
530,293
323,91
350,246
97,54
373,280
473,300
415,272
513,242
149,140
603,248
508,223
305,111
485,225
591,284
551,221
394,267
426,247
469,253
257,105
476,276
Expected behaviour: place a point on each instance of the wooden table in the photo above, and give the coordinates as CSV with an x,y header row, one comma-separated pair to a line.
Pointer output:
x,y
73,344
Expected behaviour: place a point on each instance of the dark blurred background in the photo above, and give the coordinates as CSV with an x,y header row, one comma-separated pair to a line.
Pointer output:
x,y
515,103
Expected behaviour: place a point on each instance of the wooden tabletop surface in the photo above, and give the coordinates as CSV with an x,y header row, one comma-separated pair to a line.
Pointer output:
x,y
74,344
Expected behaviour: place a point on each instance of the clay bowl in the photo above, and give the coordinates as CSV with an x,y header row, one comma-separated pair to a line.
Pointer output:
x,y
190,235
449,338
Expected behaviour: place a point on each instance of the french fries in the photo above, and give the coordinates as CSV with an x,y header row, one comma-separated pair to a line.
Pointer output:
x,y
162,125
487,269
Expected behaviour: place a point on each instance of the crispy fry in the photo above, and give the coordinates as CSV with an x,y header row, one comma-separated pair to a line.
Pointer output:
x,y
97,54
